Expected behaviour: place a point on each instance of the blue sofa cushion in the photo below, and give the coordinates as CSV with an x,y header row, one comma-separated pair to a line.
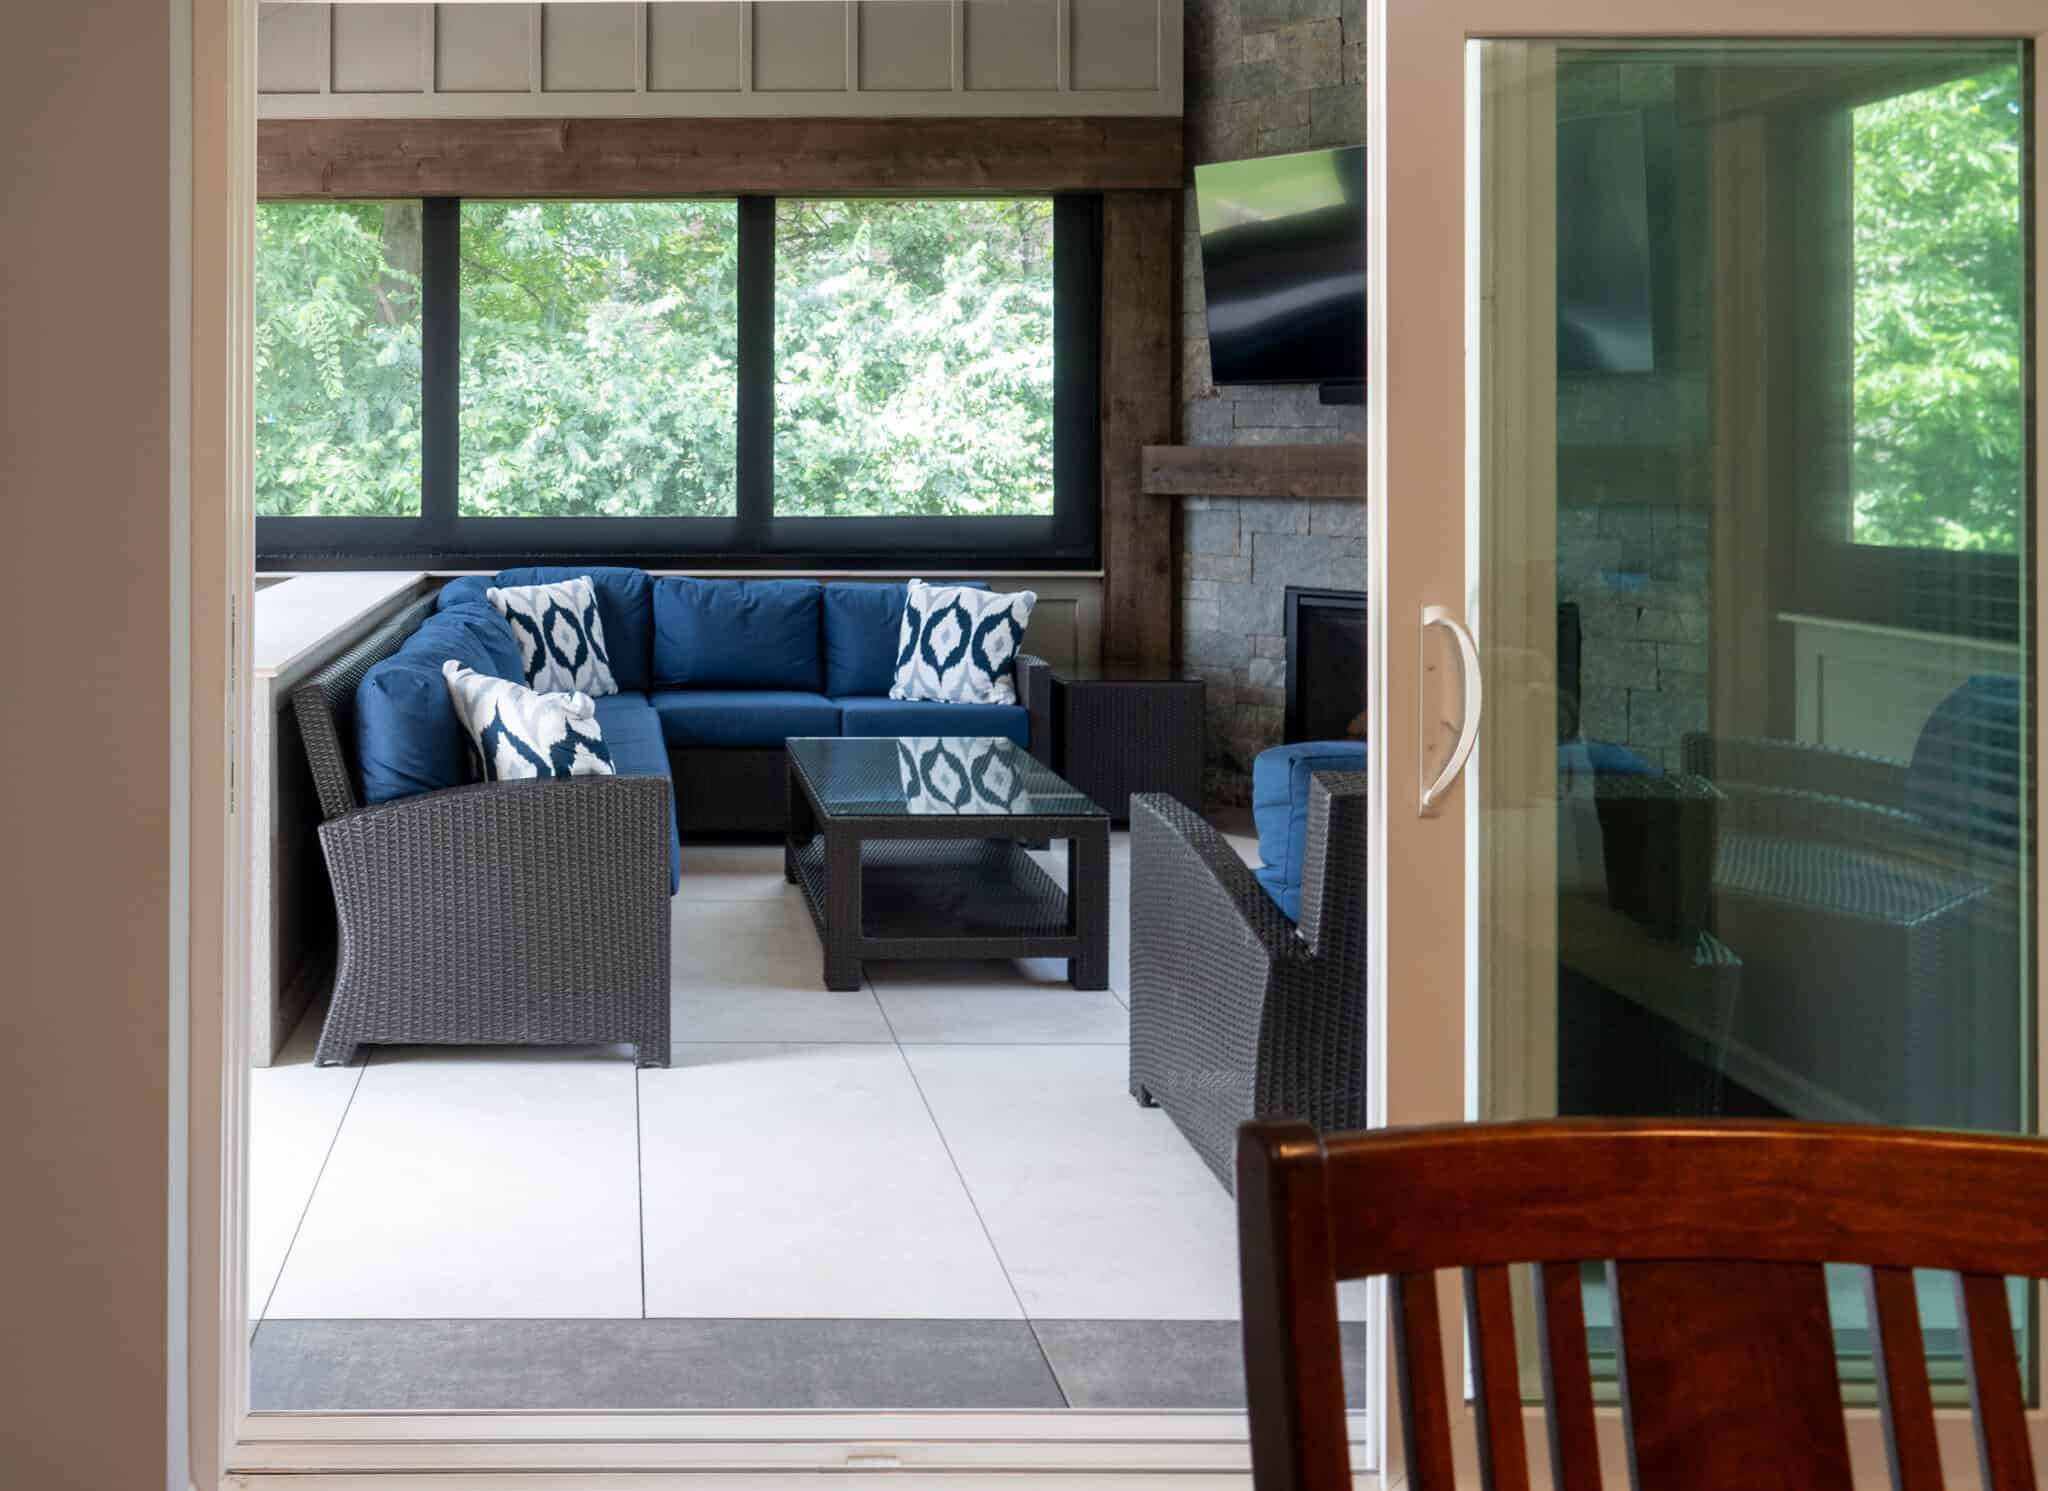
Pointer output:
x,y
863,632
632,730
742,717
625,609
870,715
1967,778
408,736
465,590
738,634
1280,782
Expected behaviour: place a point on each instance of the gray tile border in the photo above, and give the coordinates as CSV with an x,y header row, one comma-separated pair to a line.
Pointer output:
x,y
1167,1364
375,1366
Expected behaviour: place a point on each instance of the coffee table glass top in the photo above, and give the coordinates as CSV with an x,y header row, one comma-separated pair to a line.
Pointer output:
x,y
951,775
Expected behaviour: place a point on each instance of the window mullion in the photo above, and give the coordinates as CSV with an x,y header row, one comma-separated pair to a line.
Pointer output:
x,y
755,457
440,368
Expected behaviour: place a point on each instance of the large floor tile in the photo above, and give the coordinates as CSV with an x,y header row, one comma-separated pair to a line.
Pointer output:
x,y
480,1366
1098,1207
476,1182
1004,1003
790,1181
295,1111
733,872
753,971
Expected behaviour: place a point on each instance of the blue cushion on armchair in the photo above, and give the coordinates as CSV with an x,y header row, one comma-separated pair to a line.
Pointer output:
x,y
738,634
408,738
1280,781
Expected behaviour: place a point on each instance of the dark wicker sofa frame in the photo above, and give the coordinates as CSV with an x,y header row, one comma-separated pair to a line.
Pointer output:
x,y
517,913
1236,1012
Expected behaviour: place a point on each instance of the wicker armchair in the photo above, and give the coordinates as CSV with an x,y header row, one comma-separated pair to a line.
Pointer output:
x,y
523,913
1236,1012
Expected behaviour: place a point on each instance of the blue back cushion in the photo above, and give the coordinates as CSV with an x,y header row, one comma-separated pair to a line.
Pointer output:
x,y
1967,774
863,622
408,737
625,607
739,634
1280,781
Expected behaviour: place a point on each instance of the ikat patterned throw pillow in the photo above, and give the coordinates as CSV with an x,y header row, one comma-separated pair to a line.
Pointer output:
x,y
519,733
945,774
960,645
561,639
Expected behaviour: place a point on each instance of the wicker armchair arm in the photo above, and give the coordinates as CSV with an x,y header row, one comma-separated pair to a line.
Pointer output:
x,y
532,911
559,865
1172,841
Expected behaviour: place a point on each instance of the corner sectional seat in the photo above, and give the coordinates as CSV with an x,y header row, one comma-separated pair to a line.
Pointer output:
x,y
715,675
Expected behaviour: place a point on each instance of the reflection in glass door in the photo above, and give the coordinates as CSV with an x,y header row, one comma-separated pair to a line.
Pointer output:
x,y
1754,536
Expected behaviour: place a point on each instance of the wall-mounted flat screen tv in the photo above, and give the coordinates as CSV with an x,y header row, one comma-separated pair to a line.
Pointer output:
x,y
1283,266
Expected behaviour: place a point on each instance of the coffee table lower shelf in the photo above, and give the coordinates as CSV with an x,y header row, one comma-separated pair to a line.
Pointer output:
x,y
944,898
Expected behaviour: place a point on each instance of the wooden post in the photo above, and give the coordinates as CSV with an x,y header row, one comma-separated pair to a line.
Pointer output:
x,y
1140,254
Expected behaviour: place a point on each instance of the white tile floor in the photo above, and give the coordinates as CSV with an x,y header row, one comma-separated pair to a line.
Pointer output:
x,y
951,1142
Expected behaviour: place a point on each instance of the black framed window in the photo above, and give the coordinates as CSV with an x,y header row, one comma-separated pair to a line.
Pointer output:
x,y
866,382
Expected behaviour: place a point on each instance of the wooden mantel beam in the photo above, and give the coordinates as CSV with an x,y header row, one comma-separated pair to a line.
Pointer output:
x,y
453,157
1336,471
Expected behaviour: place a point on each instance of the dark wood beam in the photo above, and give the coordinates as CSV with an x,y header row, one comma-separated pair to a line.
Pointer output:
x,y
314,158
1254,470
1140,331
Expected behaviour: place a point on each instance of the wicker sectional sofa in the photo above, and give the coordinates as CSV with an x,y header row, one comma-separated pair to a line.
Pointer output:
x,y
537,912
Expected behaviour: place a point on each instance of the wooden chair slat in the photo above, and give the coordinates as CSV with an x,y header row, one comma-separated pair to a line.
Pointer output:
x,y
1728,1376
1497,1376
1567,1378
1425,1404
2003,1453
1903,1393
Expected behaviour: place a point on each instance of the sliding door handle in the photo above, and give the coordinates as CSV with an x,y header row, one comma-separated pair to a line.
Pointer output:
x,y
1468,725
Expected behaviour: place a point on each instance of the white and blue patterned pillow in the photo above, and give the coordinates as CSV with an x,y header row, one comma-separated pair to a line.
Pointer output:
x,y
960,645
950,775
561,638
519,733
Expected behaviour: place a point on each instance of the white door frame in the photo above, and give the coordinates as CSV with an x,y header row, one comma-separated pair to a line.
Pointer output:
x,y
1422,496
228,1444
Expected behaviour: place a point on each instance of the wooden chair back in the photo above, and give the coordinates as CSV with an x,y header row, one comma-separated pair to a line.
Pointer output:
x,y
1714,1235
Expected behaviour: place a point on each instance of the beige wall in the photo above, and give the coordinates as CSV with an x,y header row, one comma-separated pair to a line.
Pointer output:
x,y
85,514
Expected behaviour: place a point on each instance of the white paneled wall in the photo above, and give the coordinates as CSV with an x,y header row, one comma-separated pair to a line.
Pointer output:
x,y
721,57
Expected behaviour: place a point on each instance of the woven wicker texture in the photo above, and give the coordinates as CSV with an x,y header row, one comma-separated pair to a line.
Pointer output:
x,y
501,913
1119,738
1236,1013
510,912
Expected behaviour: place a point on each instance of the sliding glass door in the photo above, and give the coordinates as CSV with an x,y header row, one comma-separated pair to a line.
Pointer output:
x,y
1708,563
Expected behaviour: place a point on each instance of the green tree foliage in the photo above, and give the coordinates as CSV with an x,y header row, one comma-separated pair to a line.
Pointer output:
x,y
599,358
913,357
1940,428
338,359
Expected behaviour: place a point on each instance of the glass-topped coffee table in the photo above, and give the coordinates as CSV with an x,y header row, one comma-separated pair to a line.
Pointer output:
x,y
909,849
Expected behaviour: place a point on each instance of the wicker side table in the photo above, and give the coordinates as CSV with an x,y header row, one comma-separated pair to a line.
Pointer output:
x,y
1120,728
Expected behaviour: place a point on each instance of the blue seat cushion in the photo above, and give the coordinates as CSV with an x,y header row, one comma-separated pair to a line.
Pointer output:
x,y
632,733
408,737
1280,782
742,717
738,634
871,715
863,624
